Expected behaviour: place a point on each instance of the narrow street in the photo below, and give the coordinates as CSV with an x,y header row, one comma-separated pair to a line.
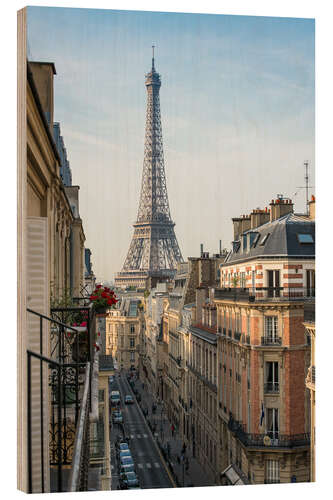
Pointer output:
x,y
149,464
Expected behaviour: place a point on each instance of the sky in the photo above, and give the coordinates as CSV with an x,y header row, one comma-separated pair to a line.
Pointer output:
x,y
237,106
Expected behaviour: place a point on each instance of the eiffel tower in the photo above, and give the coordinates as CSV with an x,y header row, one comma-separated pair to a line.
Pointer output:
x,y
154,252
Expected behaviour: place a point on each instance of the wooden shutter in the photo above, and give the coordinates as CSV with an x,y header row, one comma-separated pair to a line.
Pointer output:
x,y
38,300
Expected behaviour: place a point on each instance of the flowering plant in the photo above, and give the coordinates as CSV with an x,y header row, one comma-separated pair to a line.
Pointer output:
x,y
103,297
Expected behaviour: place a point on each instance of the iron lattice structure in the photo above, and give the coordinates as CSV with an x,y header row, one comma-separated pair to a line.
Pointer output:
x,y
154,250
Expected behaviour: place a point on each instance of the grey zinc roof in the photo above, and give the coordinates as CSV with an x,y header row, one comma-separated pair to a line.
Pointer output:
x,y
282,239
203,334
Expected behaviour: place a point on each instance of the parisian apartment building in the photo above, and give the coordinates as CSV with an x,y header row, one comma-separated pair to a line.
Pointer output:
x,y
234,364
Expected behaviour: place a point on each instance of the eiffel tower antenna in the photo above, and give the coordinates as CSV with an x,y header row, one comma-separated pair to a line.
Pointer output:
x,y
153,60
154,252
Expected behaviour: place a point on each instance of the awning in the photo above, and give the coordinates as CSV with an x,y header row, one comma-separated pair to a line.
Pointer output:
x,y
234,475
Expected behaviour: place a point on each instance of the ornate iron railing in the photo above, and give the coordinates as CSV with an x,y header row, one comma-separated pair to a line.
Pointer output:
x,y
271,340
63,376
264,294
268,440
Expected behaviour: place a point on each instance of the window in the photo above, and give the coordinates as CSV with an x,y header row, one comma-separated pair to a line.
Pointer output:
x,y
310,283
272,473
272,376
132,328
272,423
271,328
244,242
264,239
132,342
273,278
255,239
238,322
132,358
242,280
305,238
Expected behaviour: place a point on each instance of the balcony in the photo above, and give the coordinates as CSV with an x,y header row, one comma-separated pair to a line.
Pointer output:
x,y
266,294
269,340
59,400
268,440
271,388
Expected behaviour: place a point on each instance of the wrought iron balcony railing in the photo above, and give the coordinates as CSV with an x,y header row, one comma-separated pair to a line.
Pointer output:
x,y
264,294
56,388
270,340
269,439
271,387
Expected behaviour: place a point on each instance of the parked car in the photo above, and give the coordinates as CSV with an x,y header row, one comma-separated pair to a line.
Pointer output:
x,y
122,446
115,398
129,480
129,399
126,468
117,417
126,461
125,453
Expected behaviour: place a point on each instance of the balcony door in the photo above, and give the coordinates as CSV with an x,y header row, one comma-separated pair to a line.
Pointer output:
x,y
273,279
310,283
272,424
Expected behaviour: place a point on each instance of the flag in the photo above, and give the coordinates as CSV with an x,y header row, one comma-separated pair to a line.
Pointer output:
x,y
262,416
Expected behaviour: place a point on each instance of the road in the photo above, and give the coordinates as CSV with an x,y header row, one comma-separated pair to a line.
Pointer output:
x,y
150,466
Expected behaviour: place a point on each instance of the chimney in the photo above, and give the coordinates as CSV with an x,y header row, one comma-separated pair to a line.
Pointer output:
x,y
312,208
280,207
200,297
201,249
43,73
241,224
220,247
259,217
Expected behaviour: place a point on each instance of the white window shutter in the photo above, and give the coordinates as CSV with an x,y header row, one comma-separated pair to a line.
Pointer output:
x,y
38,300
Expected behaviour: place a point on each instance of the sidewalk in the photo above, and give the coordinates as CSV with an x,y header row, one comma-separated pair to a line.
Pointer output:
x,y
185,469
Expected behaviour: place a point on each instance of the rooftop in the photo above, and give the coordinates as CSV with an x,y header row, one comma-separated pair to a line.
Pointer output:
x,y
292,235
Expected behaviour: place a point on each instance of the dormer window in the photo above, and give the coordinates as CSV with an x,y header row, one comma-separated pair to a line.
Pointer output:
x,y
244,242
305,238
255,240
264,239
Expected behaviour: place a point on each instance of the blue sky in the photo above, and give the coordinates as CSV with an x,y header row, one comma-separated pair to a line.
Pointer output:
x,y
237,103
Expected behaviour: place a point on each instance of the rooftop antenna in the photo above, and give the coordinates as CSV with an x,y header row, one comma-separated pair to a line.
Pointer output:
x,y
306,187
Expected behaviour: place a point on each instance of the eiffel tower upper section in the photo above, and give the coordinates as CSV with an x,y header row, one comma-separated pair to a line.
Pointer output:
x,y
154,251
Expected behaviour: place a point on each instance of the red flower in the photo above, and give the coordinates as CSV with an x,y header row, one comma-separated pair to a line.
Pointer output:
x,y
84,323
98,334
74,324
98,286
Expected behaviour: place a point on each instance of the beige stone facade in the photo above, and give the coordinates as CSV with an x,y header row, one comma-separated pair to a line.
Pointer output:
x,y
123,329
46,258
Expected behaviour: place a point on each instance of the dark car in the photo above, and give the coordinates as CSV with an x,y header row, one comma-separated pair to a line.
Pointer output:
x,y
129,399
129,480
